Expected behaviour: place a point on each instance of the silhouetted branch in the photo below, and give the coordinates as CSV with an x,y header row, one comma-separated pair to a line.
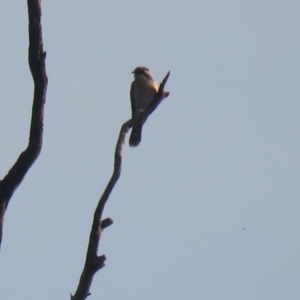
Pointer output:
x,y
93,262
36,58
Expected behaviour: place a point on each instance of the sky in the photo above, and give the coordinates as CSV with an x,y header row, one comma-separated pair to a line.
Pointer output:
x,y
207,207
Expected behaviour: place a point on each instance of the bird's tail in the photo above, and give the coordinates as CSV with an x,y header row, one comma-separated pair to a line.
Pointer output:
x,y
136,135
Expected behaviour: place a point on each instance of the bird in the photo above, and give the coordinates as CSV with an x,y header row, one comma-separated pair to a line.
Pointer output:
x,y
142,92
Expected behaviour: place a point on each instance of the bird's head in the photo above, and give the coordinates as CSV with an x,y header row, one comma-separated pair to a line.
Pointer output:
x,y
144,71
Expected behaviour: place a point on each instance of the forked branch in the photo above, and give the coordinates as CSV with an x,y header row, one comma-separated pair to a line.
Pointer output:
x,y
93,262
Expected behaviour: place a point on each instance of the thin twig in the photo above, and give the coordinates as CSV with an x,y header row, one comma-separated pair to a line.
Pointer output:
x,y
36,58
93,262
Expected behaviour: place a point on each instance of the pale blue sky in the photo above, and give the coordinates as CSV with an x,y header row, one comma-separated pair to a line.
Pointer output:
x,y
207,207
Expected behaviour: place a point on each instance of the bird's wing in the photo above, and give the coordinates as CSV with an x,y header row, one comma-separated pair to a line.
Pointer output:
x,y
133,107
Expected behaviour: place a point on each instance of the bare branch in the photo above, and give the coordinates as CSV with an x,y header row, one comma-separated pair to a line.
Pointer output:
x,y
106,222
36,58
93,262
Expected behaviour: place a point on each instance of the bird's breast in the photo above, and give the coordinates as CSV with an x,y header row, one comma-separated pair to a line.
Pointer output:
x,y
143,93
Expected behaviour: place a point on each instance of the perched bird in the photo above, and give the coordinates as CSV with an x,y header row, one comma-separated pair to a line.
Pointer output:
x,y
142,92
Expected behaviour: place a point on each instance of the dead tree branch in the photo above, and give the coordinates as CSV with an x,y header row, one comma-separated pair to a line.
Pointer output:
x,y
36,58
93,262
